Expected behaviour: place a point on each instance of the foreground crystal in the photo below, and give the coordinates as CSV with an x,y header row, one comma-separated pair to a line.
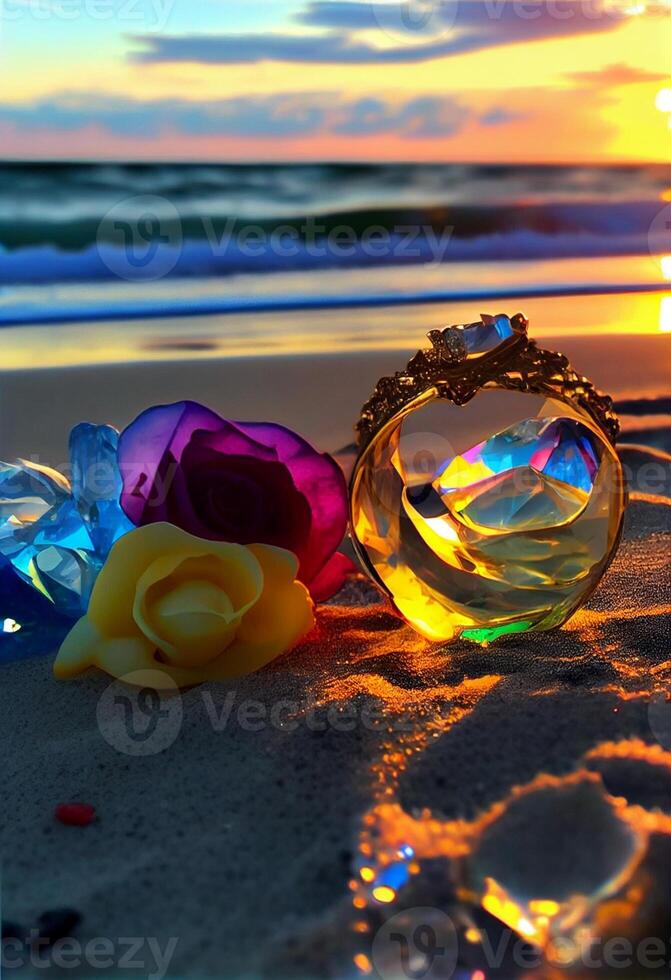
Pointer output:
x,y
544,891
57,537
492,518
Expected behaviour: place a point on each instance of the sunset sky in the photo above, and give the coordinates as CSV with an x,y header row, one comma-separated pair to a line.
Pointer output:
x,y
474,80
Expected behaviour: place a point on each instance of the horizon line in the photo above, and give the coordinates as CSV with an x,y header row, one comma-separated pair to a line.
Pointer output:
x,y
280,162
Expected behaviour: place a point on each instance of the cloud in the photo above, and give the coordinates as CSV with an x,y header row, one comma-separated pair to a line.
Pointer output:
x,y
272,116
499,117
245,49
277,116
420,118
453,27
614,75
347,14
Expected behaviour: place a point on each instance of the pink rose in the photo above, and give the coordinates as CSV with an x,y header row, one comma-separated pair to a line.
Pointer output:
x,y
242,482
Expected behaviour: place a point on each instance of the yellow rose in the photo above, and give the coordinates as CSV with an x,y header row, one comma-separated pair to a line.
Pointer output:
x,y
191,609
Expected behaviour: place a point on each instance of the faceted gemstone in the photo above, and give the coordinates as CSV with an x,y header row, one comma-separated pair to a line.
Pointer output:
x,y
67,576
27,491
491,518
56,538
97,483
486,335
536,473
549,893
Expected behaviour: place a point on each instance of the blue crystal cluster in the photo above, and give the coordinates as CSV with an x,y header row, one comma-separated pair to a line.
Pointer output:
x,y
55,534
487,334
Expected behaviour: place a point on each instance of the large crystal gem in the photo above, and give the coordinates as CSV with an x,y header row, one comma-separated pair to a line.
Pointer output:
x,y
496,517
56,536
486,335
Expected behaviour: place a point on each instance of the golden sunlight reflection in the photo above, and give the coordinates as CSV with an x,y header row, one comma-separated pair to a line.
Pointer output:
x,y
394,844
663,100
418,682
332,331
665,315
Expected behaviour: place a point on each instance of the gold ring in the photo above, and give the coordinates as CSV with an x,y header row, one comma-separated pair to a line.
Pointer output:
x,y
487,498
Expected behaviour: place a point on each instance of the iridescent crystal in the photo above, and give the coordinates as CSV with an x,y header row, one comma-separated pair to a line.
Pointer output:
x,y
97,483
28,491
491,518
57,537
553,894
485,335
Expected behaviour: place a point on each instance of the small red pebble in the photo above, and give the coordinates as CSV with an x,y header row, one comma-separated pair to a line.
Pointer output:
x,y
75,814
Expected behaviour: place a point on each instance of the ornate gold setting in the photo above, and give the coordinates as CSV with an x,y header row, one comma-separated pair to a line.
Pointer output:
x,y
517,363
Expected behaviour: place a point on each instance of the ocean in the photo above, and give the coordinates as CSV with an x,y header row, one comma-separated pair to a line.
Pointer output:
x,y
78,223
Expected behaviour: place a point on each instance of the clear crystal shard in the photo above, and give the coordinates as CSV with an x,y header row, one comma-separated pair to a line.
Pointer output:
x,y
67,576
97,483
57,537
486,335
491,518
547,892
535,474
27,491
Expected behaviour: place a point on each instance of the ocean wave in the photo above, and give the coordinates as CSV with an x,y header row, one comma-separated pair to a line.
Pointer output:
x,y
92,222
42,264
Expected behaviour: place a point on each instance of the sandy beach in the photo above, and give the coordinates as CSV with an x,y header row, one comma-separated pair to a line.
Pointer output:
x,y
288,824
231,843
437,235
240,834
319,395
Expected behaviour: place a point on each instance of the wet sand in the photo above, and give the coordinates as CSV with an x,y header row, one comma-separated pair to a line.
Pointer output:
x,y
319,395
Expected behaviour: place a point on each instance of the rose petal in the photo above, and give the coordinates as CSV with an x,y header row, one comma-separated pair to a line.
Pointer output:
x,y
156,439
232,582
332,577
320,480
281,617
144,443
157,489
244,498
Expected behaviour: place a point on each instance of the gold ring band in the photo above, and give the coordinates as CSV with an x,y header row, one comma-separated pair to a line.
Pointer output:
x,y
487,498
516,363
